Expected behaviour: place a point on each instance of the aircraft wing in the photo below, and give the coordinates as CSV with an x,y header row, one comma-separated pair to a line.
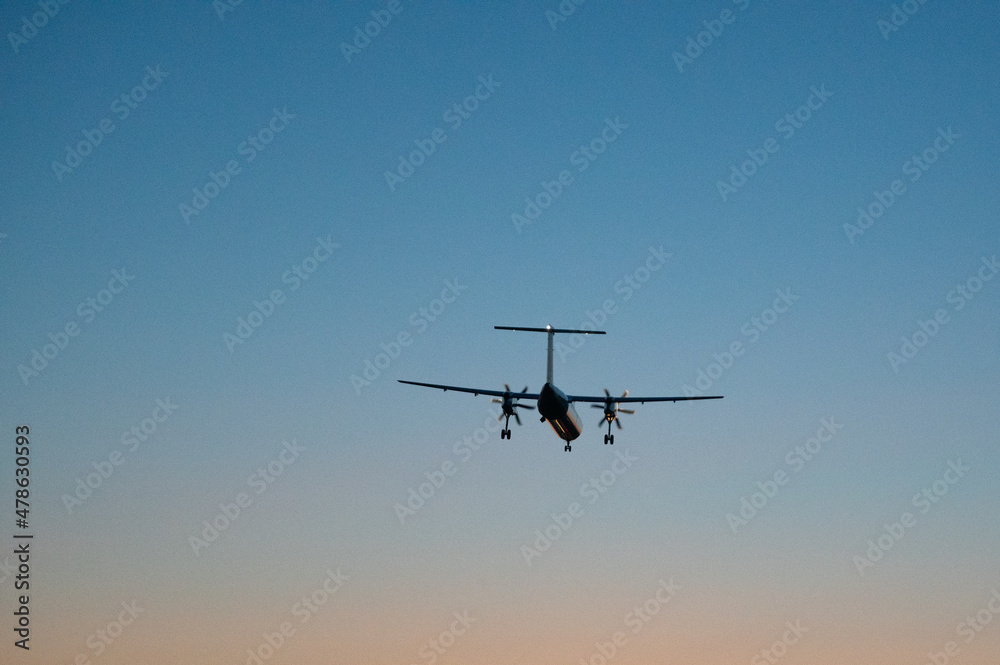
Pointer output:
x,y
588,398
477,391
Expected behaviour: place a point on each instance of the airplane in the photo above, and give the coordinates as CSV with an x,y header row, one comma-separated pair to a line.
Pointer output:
x,y
554,405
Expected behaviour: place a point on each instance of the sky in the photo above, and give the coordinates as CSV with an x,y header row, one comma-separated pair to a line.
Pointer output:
x,y
227,230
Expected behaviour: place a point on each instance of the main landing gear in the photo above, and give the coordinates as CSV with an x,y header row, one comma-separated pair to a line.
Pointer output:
x,y
611,411
510,404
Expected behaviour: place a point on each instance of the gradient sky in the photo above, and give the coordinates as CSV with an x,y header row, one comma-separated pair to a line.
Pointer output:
x,y
362,449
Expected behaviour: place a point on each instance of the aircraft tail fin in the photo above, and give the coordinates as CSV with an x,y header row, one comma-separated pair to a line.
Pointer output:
x,y
551,331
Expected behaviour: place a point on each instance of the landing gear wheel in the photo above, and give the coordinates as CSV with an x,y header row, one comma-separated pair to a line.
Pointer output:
x,y
567,447
606,439
504,433
611,439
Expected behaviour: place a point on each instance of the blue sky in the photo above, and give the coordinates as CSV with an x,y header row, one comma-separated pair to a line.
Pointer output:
x,y
320,180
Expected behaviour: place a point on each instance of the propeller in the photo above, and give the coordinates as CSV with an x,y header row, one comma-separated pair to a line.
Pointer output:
x,y
611,409
511,404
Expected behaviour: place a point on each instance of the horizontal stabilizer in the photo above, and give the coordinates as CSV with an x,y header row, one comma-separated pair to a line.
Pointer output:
x,y
549,329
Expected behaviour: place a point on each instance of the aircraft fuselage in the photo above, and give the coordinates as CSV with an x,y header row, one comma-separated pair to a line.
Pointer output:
x,y
556,408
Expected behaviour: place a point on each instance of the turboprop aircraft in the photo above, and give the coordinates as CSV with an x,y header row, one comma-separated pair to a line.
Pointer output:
x,y
554,405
